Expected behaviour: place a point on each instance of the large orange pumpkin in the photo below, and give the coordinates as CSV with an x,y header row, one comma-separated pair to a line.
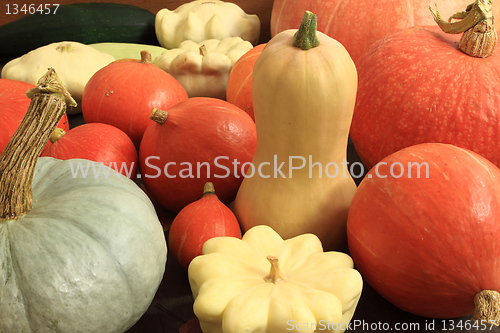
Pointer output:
x,y
416,86
359,23
423,229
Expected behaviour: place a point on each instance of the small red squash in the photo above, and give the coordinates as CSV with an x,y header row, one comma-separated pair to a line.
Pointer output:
x,y
359,23
123,94
416,86
428,242
199,221
239,83
198,140
13,106
97,142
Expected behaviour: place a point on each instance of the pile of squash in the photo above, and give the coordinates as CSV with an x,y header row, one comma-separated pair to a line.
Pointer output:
x,y
245,146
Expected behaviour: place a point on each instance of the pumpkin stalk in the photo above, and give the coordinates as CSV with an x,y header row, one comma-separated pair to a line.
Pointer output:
x,y
275,274
18,160
208,188
487,307
158,116
56,135
305,38
145,57
476,23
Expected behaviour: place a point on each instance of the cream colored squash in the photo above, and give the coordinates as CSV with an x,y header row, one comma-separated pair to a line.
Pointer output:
x,y
74,62
303,101
262,283
203,68
128,50
200,20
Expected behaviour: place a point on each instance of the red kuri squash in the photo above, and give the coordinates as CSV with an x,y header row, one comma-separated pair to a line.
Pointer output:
x,y
359,23
198,140
239,83
123,94
416,86
426,235
96,142
199,221
13,106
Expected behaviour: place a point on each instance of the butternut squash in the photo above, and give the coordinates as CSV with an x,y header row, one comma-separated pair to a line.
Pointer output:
x,y
304,88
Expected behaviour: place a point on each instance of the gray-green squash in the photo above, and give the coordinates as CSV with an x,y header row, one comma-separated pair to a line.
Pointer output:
x,y
77,254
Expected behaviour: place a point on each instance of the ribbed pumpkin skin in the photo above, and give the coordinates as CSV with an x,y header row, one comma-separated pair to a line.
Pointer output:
x,y
88,257
428,245
358,23
13,106
415,86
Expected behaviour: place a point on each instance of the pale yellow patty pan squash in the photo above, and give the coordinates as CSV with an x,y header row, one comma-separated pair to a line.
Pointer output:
x,y
265,284
74,62
200,20
203,68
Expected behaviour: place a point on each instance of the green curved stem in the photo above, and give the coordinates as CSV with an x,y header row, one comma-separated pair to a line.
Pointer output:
x,y
305,38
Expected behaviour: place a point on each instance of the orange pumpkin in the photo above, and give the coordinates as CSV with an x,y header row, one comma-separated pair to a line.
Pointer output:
x,y
239,83
359,23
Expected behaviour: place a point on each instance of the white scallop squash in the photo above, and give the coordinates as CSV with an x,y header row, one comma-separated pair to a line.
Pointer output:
x,y
199,20
262,283
74,62
78,254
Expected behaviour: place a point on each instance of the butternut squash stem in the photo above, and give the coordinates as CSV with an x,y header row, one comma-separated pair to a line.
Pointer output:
x,y
305,38
18,160
479,37
275,274
487,307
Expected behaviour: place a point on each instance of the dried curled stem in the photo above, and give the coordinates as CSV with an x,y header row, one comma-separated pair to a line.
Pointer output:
x,y
476,23
18,160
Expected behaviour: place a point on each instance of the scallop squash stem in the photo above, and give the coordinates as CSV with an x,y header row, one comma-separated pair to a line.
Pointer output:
x,y
18,160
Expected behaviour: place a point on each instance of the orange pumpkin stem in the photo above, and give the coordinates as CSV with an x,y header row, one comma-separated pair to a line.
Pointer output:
x,y
479,37
56,135
275,274
158,116
208,188
487,307
145,57
18,160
